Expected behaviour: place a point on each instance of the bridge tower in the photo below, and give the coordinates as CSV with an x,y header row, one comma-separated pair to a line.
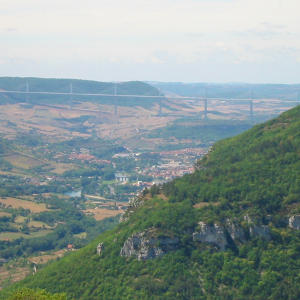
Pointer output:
x,y
205,109
160,102
160,107
251,111
205,104
116,104
251,107
27,91
71,91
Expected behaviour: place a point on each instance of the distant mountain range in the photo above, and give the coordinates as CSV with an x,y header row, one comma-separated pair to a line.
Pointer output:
x,y
231,90
75,86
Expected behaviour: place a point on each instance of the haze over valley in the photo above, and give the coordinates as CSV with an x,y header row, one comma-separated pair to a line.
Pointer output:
x,y
150,150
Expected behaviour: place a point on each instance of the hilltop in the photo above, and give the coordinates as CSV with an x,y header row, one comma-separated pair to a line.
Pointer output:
x,y
228,231
231,90
138,123
78,86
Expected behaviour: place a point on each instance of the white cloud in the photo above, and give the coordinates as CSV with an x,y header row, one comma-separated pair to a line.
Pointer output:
x,y
69,38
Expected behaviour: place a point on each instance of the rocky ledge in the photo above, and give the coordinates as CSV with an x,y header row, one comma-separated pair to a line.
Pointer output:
x,y
144,245
220,235
147,245
211,234
294,222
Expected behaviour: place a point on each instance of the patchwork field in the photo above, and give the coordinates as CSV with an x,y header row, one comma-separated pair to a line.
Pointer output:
x,y
44,258
4,214
60,168
102,213
19,203
9,236
85,119
38,224
10,274
22,161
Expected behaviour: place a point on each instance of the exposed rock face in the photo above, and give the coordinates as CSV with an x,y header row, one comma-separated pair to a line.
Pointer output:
x,y
133,204
100,248
136,202
143,246
255,230
294,222
235,231
260,231
211,234
124,217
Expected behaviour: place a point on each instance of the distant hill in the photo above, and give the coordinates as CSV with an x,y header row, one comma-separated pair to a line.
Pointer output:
x,y
231,230
78,86
231,90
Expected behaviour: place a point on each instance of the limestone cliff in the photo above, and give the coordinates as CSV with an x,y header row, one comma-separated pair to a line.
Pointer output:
x,y
144,245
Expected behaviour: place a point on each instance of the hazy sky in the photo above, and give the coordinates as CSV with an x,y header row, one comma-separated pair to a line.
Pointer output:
x,y
163,40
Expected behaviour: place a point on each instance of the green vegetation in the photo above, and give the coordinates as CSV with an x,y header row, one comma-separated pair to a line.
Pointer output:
x,y
257,174
28,294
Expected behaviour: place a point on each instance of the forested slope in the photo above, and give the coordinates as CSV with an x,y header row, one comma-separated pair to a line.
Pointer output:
x,y
228,231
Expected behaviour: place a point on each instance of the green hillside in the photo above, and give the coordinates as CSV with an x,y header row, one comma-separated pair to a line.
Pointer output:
x,y
78,86
228,231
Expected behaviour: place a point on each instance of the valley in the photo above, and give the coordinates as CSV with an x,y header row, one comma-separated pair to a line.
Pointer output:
x,y
69,168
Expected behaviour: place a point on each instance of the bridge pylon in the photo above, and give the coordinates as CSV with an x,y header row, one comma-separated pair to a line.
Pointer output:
x,y
160,108
116,99
251,111
71,91
27,92
251,107
205,109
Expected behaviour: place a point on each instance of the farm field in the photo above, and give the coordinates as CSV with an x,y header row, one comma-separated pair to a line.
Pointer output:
x,y
4,214
18,269
60,168
10,236
46,257
102,213
19,203
22,161
12,273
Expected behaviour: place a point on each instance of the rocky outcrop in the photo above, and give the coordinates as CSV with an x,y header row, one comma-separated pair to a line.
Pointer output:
x,y
100,248
260,231
222,235
144,245
235,231
294,222
257,230
133,205
212,234
136,202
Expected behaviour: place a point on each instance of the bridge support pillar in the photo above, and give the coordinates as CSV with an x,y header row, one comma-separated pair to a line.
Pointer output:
x,y
160,108
27,91
251,110
205,109
71,92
